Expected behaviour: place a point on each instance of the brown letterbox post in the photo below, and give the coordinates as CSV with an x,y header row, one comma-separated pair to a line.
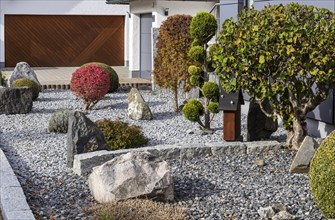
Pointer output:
x,y
231,103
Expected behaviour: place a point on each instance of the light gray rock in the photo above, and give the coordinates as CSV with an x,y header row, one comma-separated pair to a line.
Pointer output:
x,y
266,213
16,100
59,121
283,215
260,127
132,175
262,146
83,136
23,70
138,109
304,156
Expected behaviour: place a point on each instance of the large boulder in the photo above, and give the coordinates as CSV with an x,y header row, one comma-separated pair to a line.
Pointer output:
x,y
304,156
16,100
83,136
138,109
23,70
260,127
132,175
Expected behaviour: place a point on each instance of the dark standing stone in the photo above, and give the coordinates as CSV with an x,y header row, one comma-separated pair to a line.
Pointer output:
x,y
16,100
83,136
260,127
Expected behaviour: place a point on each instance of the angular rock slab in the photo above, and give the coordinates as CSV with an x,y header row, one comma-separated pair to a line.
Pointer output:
x,y
16,100
304,156
138,109
260,127
83,136
132,175
23,70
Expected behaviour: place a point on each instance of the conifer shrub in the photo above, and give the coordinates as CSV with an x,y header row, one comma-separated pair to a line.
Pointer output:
x,y
114,78
91,83
25,82
2,80
121,135
322,176
193,109
59,121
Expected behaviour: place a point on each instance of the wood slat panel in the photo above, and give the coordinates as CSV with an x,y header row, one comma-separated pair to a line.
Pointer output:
x,y
63,40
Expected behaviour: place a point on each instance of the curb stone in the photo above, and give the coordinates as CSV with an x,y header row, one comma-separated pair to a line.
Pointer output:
x,y
13,203
84,163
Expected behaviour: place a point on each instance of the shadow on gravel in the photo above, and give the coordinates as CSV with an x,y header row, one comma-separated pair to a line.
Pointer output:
x,y
192,188
164,115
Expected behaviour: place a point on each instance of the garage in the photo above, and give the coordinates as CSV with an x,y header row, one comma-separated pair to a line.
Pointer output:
x,y
64,40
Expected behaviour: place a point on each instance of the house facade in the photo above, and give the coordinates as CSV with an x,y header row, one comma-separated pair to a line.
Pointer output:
x,y
63,33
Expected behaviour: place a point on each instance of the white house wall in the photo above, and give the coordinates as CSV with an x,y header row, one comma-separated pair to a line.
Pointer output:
x,y
57,7
157,10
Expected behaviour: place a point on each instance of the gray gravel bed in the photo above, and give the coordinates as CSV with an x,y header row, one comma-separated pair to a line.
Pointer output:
x,y
211,188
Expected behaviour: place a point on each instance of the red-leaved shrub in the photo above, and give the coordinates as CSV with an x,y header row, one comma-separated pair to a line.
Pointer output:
x,y
90,83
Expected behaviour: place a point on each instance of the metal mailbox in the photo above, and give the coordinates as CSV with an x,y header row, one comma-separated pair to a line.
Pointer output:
x,y
231,103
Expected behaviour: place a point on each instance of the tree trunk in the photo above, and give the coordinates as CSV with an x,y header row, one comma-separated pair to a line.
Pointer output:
x,y
297,135
175,100
207,116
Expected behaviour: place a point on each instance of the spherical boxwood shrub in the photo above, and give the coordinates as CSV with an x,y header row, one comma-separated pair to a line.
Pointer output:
x,y
121,135
203,27
114,78
59,121
90,83
193,109
25,82
322,176
211,91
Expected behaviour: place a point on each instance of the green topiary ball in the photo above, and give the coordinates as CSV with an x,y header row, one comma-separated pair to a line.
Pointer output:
x,y
114,78
121,135
193,109
211,91
203,27
59,121
25,82
213,107
197,53
322,176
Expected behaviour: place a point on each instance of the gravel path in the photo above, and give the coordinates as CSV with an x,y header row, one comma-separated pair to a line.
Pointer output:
x,y
210,188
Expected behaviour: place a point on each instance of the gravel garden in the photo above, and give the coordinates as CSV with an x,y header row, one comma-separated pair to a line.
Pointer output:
x,y
224,187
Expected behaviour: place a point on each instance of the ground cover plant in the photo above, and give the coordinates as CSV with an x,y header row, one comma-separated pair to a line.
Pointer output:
x,y
120,135
136,209
91,83
25,82
171,62
283,54
203,28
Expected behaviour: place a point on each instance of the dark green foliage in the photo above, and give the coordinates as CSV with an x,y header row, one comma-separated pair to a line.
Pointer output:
x,y
322,176
2,80
121,135
213,107
211,91
193,109
171,61
203,27
58,122
284,54
25,82
114,78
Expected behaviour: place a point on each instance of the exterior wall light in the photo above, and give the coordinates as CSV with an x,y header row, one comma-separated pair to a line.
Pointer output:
x,y
166,11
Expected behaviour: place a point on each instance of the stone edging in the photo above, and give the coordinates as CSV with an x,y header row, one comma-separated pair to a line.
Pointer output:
x,y
13,203
84,163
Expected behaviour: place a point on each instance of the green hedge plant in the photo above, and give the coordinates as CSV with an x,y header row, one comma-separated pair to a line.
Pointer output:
x,y
284,54
25,82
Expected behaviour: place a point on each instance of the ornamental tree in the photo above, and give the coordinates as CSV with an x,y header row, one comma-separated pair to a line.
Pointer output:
x,y
203,28
284,54
91,83
171,62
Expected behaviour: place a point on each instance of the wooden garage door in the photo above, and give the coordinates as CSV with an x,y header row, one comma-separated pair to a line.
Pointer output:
x,y
71,40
